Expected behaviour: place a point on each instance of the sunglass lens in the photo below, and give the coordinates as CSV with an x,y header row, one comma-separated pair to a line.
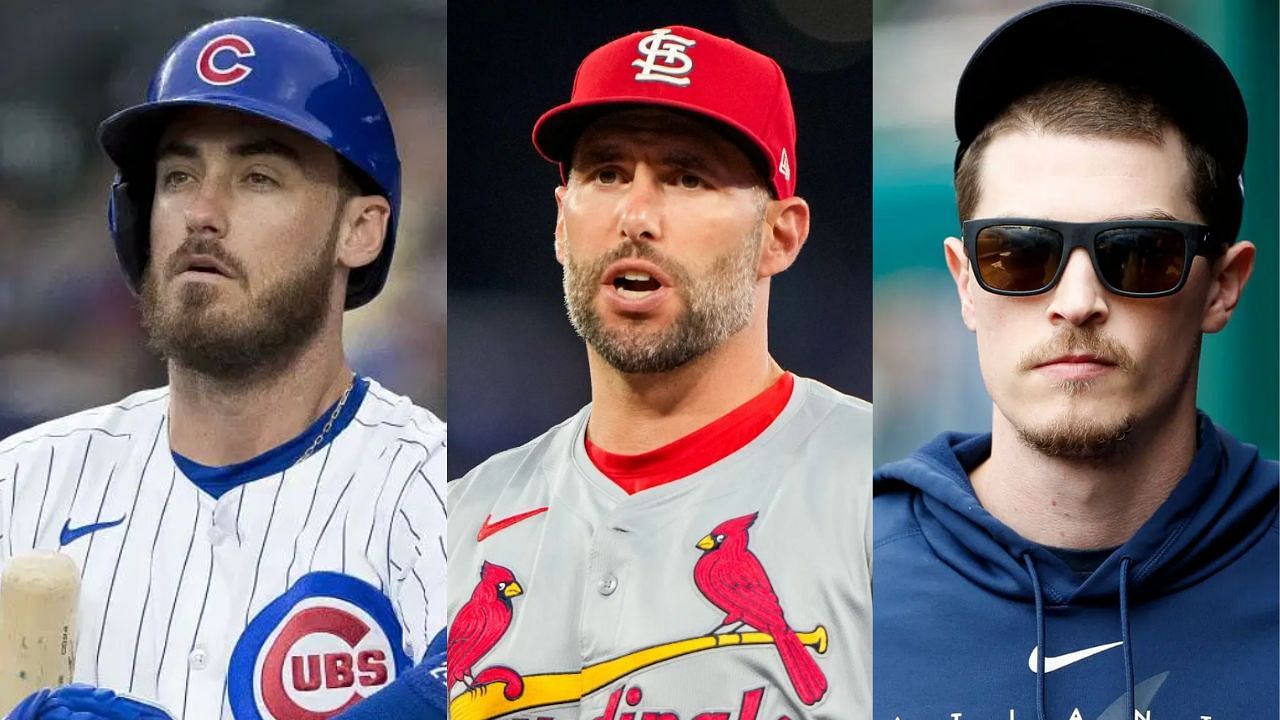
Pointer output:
x,y
1018,258
1141,260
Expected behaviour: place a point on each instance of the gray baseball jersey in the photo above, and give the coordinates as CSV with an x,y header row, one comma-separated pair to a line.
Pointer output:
x,y
740,592
276,588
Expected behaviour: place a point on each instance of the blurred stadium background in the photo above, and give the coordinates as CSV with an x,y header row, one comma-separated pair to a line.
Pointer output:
x,y
926,368
517,368
69,336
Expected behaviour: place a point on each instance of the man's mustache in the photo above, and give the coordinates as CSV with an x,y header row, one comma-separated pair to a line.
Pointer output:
x,y
1078,341
203,246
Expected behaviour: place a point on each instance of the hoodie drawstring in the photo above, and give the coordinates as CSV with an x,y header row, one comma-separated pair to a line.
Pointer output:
x,y
1040,649
1124,636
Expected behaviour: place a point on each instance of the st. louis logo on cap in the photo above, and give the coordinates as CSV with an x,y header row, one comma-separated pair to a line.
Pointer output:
x,y
215,67
327,643
663,58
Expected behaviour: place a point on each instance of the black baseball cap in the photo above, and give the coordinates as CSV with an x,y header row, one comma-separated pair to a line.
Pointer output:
x,y
1118,42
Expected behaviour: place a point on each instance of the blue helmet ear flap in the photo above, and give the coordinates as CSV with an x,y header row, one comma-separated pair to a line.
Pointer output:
x,y
128,222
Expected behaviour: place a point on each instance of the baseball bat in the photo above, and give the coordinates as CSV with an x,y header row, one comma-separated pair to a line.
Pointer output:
x,y
39,592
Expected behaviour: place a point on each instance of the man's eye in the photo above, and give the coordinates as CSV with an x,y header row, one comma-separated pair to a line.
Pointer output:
x,y
692,182
258,179
174,178
608,176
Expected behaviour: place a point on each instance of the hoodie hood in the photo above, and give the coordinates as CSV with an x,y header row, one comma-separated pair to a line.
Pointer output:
x,y
1221,508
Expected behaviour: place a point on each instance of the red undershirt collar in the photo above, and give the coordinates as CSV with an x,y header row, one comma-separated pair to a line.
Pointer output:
x,y
699,449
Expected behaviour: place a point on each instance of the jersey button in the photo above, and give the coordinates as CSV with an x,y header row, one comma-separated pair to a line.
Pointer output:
x,y
216,536
608,584
199,659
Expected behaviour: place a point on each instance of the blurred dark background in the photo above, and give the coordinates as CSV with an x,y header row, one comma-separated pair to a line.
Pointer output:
x,y
70,335
516,366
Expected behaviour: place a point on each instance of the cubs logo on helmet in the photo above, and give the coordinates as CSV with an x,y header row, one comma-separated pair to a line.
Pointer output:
x,y
324,645
207,62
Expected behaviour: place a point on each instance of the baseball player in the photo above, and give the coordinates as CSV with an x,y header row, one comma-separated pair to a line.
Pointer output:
x,y
693,543
1106,551
262,538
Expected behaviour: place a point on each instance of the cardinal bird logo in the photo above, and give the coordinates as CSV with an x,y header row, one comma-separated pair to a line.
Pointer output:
x,y
732,578
481,622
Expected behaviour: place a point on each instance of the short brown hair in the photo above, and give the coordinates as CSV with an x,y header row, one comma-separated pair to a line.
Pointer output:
x,y
1095,108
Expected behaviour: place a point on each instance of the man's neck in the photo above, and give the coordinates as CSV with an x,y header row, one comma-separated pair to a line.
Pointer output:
x,y
1085,504
632,414
220,422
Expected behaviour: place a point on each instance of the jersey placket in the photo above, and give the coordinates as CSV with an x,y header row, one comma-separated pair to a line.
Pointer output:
x,y
606,585
210,653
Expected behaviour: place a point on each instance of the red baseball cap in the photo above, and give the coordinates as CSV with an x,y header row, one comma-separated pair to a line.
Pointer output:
x,y
682,68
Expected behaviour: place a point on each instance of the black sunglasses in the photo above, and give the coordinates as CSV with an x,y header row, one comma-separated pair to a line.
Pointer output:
x,y
1133,258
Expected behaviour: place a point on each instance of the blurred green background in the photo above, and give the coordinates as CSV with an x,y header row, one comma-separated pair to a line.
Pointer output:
x,y
926,367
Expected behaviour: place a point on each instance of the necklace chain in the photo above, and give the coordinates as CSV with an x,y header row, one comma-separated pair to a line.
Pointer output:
x,y
328,425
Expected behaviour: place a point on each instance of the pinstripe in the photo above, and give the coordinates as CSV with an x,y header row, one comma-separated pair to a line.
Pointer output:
x,y
98,518
426,597
257,568
186,688
13,499
157,398
151,566
315,490
79,476
101,504
177,593
239,504
373,519
58,436
325,528
48,475
428,450
409,525
431,485
395,510
106,607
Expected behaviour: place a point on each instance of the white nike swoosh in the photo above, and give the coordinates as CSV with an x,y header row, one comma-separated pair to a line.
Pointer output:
x,y
1060,661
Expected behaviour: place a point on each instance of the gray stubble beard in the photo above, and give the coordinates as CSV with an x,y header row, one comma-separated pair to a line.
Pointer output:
x,y
716,306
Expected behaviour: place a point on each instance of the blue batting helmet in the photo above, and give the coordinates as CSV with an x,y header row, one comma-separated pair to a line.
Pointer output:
x,y
272,70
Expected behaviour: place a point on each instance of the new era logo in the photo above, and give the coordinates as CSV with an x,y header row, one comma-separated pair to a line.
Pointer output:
x,y
784,165
663,58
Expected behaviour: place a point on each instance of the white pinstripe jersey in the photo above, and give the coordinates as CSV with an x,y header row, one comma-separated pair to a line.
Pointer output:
x,y
610,618
307,586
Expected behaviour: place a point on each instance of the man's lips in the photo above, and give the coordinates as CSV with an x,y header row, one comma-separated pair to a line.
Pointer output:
x,y
1076,367
205,265
633,286
635,274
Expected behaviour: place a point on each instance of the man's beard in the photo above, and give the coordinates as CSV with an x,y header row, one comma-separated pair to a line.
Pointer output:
x,y
1078,436
190,328
717,305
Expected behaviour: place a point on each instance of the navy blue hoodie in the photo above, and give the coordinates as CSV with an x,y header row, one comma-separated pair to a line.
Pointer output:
x,y
974,621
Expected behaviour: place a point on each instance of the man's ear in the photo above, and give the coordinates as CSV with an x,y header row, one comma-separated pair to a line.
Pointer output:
x,y
560,191
786,227
363,230
958,266
1230,274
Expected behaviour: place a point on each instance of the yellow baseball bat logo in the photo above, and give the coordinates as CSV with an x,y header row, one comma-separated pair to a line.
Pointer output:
x,y
488,701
